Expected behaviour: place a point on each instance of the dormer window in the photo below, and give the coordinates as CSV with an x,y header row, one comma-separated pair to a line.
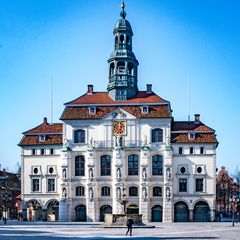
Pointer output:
x,y
191,136
144,109
92,110
42,138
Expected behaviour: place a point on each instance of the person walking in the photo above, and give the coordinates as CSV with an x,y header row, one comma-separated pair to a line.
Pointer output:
x,y
129,225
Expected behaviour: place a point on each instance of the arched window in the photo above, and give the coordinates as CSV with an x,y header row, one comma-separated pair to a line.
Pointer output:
x,y
133,192
116,40
79,191
157,191
105,191
111,69
121,39
79,136
121,68
157,135
157,165
79,166
133,165
130,68
105,165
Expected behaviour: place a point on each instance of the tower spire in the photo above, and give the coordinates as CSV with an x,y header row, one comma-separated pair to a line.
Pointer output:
x,y
123,13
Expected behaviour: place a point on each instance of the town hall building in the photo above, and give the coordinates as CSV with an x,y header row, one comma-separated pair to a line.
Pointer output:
x,y
119,145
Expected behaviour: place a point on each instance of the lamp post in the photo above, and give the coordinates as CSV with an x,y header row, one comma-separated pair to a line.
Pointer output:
x,y
233,199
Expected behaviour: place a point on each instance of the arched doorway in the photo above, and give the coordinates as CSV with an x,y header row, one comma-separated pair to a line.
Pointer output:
x,y
132,209
103,210
181,212
81,215
157,213
201,212
53,210
34,211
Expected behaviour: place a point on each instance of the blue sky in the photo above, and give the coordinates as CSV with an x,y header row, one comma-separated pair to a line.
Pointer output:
x,y
69,42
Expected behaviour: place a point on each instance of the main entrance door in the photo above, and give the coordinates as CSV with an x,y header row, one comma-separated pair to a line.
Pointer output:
x,y
104,209
157,213
181,212
201,212
81,215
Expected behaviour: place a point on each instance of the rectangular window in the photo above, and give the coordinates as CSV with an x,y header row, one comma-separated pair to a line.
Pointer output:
x,y
35,185
51,151
182,185
191,150
33,151
180,150
199,185
51,185
202,150
42,151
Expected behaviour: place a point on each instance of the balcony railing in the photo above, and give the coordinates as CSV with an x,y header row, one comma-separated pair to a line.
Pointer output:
x,y
124,144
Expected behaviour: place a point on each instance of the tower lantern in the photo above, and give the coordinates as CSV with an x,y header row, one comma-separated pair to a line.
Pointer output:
x,y
122,62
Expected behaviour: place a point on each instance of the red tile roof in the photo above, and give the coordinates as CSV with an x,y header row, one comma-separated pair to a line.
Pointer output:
x,y
45,127
52,132
190,126
34,140
199,138
103,98
156,111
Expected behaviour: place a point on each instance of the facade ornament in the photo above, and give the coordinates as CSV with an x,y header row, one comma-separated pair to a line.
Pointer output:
x,y
145,140
144,173
64,173
64,193
91,192
168,173
119,192
168,192
144,192
90,173
119,173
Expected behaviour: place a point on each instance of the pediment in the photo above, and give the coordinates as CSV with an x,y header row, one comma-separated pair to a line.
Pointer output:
x,y
119,113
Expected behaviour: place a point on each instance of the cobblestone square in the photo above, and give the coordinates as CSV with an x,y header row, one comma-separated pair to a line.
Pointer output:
x,y
65,230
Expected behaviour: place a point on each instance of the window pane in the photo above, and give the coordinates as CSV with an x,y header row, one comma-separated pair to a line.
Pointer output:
x,y
199,185
79,136
105,165
182,185
157,191
157,165
51,185
79,166
157,135
133,165
133,191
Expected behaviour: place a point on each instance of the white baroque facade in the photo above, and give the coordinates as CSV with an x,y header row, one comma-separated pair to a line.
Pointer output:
x,y
118,145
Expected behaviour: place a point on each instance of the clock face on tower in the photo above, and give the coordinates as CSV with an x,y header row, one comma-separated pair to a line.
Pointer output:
x,y
119,127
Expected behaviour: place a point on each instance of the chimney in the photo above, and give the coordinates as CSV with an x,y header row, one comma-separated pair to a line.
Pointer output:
x,y
197,118
89,89
45,120
149,89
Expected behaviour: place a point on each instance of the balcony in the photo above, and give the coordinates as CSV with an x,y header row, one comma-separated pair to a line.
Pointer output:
x,y
122,144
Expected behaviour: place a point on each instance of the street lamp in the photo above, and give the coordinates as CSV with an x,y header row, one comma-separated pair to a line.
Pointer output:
x,y
233,199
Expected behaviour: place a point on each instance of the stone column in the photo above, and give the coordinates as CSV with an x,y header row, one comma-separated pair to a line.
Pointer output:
x,y
90,189
118,180
167,181
191,215
64,208
44,215
143,185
